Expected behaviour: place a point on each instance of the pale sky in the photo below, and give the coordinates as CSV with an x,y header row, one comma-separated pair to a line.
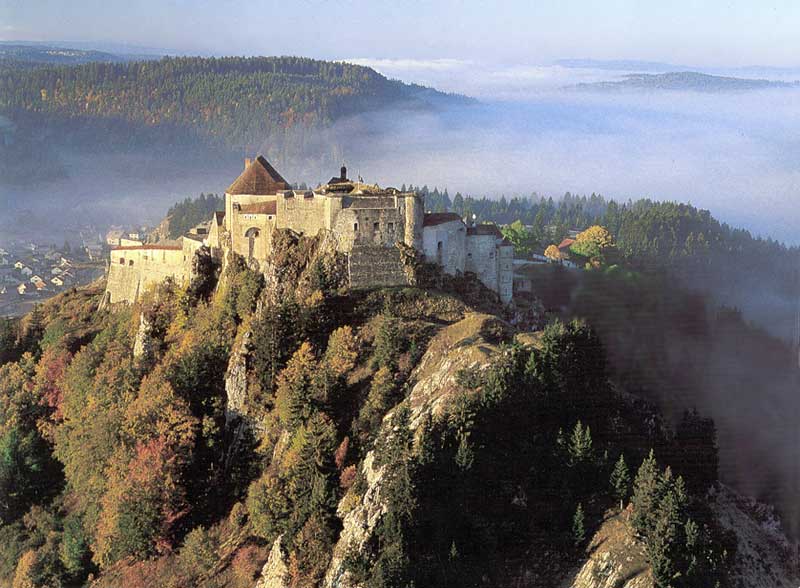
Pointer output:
x,y
693,32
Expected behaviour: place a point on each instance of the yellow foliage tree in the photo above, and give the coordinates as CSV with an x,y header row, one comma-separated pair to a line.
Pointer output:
x,y
598,235
342,351
552,252
593,243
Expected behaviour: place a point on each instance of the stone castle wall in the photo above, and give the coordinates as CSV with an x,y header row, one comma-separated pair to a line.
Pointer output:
x,y
307,214
445,244
482,259
372,266
134,270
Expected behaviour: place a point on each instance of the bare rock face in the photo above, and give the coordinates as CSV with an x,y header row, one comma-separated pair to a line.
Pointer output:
x,y
456,347
275,573
144,343
765,558
615,559
236,381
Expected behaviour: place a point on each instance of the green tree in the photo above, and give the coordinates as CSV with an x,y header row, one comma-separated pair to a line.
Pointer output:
x,y
646,489
579,526
387,347
620,481
27,472
580,444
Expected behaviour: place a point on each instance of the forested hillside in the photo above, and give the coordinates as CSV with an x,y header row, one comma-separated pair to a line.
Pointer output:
x,y
379,438
227,102
729,265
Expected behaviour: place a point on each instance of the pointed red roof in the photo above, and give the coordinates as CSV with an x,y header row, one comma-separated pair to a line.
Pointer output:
x,y
259,178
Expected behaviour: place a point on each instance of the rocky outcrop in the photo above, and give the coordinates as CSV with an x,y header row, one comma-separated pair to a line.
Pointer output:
x,y
615,559
275,573
765,558
456,347
236,381
144,344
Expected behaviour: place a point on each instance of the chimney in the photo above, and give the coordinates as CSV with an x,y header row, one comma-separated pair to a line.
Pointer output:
x,y
343,175
247,162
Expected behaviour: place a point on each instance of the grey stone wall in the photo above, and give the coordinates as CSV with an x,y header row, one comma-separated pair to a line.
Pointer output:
x,y
451,255
482,259
372,266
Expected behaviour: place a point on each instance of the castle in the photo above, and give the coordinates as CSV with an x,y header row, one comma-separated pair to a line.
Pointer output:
x,y
366,221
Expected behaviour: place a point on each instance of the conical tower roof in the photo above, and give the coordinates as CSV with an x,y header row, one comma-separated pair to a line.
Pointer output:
x,y
259,178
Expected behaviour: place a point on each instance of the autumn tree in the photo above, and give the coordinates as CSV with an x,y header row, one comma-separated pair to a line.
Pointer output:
x,y
552,252
342,351
268,505
298,387
595,244
145,499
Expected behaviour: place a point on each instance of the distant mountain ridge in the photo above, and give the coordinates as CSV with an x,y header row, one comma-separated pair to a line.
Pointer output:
x,y
212,105
52,55
686,81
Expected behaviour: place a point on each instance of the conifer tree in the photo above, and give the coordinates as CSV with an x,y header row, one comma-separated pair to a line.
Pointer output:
x,y
645,496
620,481
580,444
579,525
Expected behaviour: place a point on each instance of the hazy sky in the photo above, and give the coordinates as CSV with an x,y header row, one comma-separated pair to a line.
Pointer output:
x,y
697,32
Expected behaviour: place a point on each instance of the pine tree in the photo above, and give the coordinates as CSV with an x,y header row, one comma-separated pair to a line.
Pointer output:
x,y
580,444
621,481
579,526
646,488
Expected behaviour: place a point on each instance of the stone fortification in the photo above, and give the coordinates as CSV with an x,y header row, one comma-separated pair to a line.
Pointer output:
x,y
132,270
368,224
371,266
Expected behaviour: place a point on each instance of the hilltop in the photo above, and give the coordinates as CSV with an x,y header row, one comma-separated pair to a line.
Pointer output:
x,y
234,102
686,81
26,55
277,429
188,108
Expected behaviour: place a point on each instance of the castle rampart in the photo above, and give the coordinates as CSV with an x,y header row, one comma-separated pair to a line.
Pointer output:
x,y
367,222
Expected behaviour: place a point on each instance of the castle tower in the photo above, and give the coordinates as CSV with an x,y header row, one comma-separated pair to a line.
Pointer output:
x,y
415,217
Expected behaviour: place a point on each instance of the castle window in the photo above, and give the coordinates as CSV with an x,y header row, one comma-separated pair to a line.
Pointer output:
x,y
376,226
130,262
391,226
122,260
355,226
